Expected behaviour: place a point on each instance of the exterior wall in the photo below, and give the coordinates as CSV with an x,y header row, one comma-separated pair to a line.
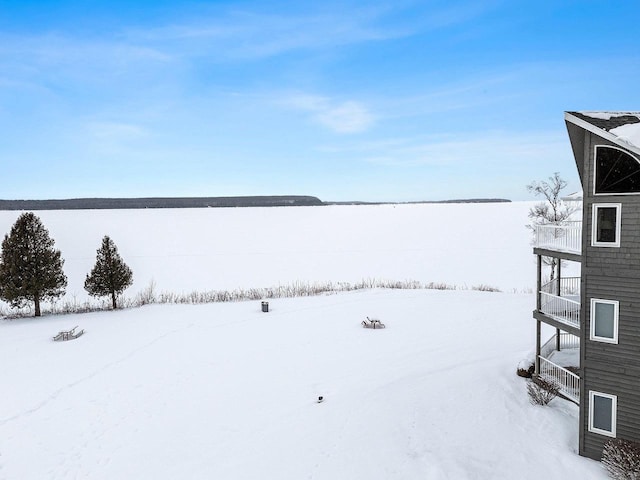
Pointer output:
x,y
610,273
619,381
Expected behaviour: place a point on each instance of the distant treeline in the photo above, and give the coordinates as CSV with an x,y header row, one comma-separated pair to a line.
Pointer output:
x,y
158,202
464,200
197,202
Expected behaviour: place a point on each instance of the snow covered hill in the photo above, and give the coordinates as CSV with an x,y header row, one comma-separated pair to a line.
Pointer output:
x,y
226,391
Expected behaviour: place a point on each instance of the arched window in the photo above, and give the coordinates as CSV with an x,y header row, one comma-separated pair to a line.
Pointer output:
x,y
616,171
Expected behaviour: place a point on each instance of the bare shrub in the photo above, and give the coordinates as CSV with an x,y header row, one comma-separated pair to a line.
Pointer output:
x,y
149,295
621,459
440,286
541,391
485,288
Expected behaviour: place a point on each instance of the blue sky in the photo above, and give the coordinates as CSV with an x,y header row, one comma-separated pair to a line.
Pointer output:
x,y
381,101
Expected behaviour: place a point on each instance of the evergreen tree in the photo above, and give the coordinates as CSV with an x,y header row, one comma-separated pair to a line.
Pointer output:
x,y
30,268
110,275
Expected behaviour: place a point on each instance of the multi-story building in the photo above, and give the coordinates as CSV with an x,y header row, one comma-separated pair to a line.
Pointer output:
x,y
597,313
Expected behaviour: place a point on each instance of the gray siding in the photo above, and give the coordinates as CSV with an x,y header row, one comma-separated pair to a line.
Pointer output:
x,y
612,274
599,379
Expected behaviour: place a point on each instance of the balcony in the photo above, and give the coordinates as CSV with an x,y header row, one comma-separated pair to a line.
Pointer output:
x,y
565,238
560,301
558,361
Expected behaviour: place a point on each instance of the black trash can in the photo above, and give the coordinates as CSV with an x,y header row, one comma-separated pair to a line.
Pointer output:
x,y
265,306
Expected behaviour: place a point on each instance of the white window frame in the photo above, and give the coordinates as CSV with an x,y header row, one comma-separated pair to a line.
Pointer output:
x,y
616,316
595,165
594,224
614,408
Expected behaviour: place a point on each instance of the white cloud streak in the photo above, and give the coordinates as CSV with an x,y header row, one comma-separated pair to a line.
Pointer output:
x,y
339,116
492,148
245,35
227,35
114,138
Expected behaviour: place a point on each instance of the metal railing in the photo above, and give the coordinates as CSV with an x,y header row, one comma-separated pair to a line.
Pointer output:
x,y
567,341
561,309
569,286
568,382
561,238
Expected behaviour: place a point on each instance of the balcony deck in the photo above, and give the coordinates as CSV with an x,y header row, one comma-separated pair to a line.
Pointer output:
x,y
563,241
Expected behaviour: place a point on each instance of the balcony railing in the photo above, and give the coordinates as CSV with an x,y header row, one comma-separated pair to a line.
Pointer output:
x,y
569,287
562,309
567,341
567,381
560,238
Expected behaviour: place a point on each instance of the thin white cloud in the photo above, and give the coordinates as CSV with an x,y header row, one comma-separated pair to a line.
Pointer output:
x,y
346,117
210,33
339,116
113,138
56,49
116,131
491,148
221,34
252,34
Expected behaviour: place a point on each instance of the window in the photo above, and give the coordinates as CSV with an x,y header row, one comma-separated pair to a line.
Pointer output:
x,y
602,413
606,225
616,171
604,320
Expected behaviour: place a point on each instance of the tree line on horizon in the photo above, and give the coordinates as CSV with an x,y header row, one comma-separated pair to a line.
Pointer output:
x,y
31,268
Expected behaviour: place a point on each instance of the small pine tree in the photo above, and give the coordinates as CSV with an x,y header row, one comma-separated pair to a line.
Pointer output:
x,y
30,268
110,275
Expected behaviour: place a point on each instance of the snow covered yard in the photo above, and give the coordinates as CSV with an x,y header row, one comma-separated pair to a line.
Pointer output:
x,y
226,391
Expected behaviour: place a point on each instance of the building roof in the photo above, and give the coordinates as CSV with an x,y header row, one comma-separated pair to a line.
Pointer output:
x,y
621,128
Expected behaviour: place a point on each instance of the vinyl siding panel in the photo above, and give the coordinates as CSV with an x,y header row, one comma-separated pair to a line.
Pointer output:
x,y
598,379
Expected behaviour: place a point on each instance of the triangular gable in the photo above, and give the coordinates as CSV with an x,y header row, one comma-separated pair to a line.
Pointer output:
x,y
620,128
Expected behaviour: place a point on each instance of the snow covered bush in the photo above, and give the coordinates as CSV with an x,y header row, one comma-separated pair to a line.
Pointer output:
x,y
526,368
541,391
621,459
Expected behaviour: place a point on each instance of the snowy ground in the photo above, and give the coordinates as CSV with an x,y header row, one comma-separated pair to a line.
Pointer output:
x,y
183,250
226,391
